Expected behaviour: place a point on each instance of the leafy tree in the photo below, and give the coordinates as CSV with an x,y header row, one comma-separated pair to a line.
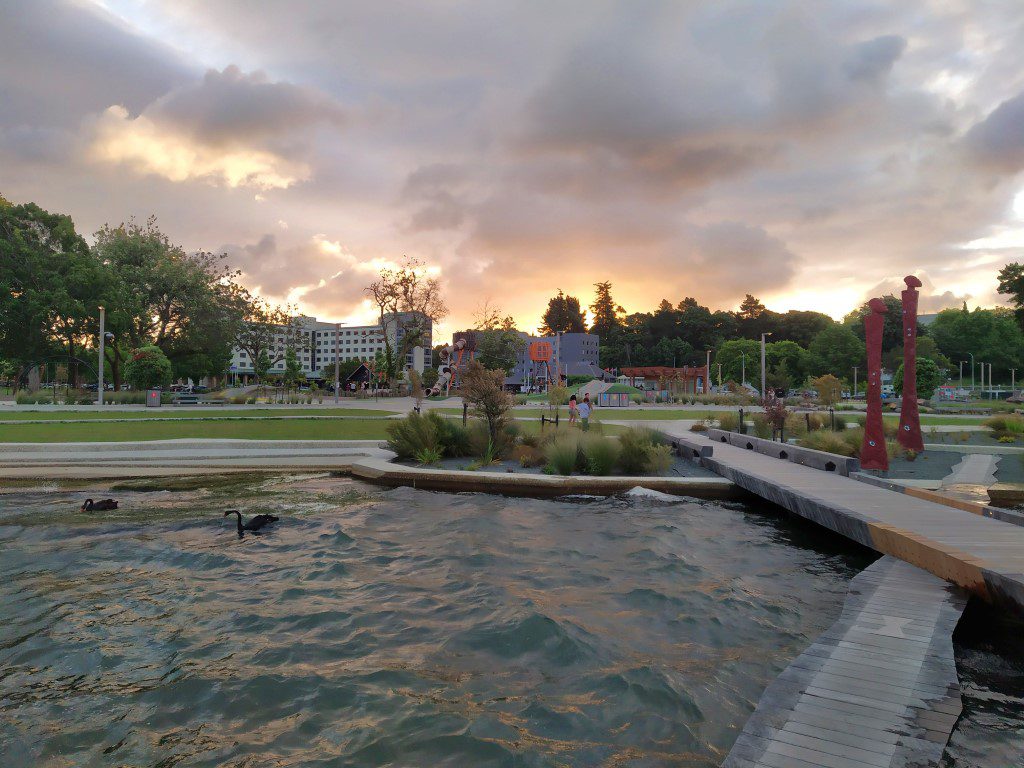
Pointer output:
x,y
835,350
733,354
266,332
484,391
892,328
787,360
1011,283
345,369
50,286
754,318
499,350
671,351
563,315
292,369
991,335
406,298
800,327
188,304
829,389
929,378
488,317
148,368
430,377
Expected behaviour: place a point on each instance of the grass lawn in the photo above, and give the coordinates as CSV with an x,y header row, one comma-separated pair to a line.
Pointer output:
x,y
241,429
209,412
624,414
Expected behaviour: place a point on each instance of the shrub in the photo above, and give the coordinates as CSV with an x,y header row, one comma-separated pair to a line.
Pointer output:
x,y
828,441
911,454
528,455
413,434
239,399
659,459
148,368
484,390
729,421
521,400
561,454
700,426
602,453
428,456
453,437
1007,424
761,426
1007,439
637,450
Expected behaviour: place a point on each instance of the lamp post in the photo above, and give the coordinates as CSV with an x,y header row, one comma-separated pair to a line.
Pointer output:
x,y
855,382
337,362
99,383
707,374
763,375
1013,382
743,367
972,370
719,376
962,373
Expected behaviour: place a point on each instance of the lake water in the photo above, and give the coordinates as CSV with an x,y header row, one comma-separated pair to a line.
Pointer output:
x,y
411,628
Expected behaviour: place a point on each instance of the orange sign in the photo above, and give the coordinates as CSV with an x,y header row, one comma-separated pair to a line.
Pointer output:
x,y
541,351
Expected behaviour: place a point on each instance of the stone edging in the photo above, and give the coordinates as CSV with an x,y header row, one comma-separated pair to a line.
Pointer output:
x,y
522,484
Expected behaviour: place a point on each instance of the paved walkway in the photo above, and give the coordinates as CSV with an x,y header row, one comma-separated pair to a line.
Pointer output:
x,y
879,689
981,554
973,469
157,458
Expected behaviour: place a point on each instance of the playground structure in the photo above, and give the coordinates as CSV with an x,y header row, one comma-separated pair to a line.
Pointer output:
x,y
450,360
688,380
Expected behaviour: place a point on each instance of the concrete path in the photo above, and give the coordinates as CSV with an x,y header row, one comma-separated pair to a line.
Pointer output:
x,y
973,469
981,554
180,457
879,689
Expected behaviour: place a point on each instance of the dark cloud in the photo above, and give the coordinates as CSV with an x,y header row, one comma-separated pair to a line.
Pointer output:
x,y
997,142
231,107
872,60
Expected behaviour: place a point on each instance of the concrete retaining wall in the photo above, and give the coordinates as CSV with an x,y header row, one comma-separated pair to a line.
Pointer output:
x,y
807,457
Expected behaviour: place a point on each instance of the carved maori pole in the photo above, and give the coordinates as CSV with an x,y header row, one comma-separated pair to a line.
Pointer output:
x,y
909,435
872,451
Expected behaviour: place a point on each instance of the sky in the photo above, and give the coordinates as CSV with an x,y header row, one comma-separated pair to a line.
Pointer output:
x,y
810,153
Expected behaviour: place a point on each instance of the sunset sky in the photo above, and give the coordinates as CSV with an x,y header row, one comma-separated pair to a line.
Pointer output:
x,y
810,153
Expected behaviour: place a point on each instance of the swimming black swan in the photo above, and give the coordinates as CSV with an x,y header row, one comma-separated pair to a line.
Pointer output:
x,y
255,524
100,506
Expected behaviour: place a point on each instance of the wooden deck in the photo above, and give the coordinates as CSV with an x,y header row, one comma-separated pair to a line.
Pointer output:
x,y
878,689
980,554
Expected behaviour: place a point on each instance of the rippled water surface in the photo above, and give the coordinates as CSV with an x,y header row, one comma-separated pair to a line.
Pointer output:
x,y
402,628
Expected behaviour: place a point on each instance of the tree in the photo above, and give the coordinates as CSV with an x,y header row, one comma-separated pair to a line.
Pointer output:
x,y
406,299
563,315
754,318
800,327
188,304
488,317
835,350
892,328
430,377
607,314
929,377
990,335
49,287
829,389
485,393
148,368
787,361
292,369
1011,283
499,350
734,354
266,334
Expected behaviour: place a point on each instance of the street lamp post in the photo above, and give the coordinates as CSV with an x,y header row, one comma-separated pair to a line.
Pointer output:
x,y
763,375
1013,382
707,374
719,376
962,373
743,367
972,370
337,362
99,382
855,382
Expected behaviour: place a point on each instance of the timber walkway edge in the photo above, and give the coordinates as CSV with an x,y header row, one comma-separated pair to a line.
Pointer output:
x,y
879,688
983,555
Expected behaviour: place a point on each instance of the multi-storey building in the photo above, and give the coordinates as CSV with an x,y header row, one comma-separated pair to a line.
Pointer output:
x,y
319,344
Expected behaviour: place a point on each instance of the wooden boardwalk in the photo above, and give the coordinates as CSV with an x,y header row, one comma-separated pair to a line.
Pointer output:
x,y
878,689
981,554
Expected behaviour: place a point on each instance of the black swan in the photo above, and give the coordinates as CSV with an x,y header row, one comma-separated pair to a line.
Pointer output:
x,y
255,524
100,506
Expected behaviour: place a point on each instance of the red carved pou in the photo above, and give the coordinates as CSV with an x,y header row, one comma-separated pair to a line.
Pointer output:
x,y
872,451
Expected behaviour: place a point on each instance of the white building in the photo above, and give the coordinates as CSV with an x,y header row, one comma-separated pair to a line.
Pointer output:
x,y
321,343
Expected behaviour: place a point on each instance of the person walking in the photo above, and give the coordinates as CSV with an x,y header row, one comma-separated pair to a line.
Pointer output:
x,y
572,409
584,410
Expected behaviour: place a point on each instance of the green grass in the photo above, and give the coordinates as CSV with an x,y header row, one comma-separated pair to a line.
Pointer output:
x,y
209,412
240,429
661,414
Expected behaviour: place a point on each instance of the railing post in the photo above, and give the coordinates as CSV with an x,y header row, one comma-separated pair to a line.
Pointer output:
x,y
465,412
743,428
